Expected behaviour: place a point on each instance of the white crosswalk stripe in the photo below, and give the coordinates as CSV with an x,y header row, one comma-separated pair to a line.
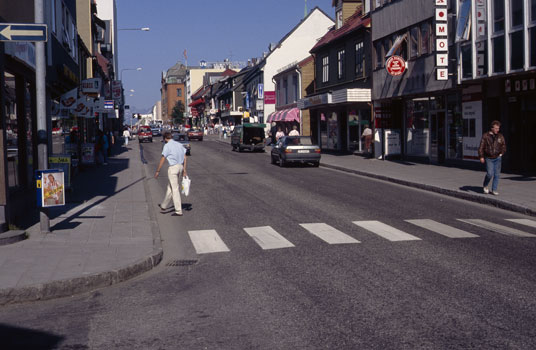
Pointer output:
x,y
329,234
505,230
207,241
442,229
268,238
388,232
526,222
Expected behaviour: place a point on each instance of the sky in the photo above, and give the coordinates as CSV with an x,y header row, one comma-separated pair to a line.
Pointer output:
x,y
210,30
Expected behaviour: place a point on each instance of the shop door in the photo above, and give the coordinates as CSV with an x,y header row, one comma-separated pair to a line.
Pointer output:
x,y
521,145
437,137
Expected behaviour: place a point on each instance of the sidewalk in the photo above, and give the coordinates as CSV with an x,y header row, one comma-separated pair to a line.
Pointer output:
x,y
516,193
106,234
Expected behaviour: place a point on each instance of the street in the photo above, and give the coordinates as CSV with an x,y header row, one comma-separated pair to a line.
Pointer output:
x,y
305,258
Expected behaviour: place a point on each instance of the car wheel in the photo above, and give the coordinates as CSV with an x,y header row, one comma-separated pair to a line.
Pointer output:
x,y
151,140
272,159
200,139
316,164
281,162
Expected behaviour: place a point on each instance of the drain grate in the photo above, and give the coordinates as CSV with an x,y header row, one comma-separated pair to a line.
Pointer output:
x,y
182,263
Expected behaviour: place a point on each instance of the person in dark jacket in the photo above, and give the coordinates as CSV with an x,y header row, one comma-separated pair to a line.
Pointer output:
x,y
273,131
492,148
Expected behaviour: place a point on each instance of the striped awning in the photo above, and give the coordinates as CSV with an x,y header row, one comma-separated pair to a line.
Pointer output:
x,y
285,115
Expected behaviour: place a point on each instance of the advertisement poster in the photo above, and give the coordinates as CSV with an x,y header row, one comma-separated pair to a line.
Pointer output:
x,y
63,162
52,189
88,153
472,129
392,142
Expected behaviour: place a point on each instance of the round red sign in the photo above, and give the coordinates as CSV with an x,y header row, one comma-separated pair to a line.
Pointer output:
x,y
395,65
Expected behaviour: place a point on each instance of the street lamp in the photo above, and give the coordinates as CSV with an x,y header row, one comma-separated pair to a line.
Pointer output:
x,y
124,69
144,29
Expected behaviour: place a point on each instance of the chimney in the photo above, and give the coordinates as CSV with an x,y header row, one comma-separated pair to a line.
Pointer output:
x,y
344,9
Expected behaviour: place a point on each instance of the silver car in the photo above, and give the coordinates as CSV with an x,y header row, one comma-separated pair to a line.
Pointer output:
x,y
295,149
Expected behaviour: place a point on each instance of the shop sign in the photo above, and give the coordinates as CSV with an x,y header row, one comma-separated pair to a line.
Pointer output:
x,y
23,51
395,65
269,97
91,86
472,128
442,40
260,105
317,100
117,91
392,142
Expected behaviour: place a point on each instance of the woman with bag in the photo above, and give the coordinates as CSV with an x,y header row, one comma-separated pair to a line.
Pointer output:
x,y
175,153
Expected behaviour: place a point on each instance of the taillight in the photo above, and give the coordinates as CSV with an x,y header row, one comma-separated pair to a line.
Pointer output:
x,y
317,150
288,151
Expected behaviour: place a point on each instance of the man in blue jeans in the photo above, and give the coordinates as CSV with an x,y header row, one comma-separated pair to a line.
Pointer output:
x,y
492,148
175,153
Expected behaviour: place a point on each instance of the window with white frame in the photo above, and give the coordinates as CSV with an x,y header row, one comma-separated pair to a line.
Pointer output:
x,y
498,44
325,69
359,59
463,27
340,64
517,39
532,33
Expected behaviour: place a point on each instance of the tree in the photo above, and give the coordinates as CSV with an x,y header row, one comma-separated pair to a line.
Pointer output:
x,y
178,113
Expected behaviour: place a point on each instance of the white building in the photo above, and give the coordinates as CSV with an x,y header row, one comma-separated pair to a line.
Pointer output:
x,y
291,49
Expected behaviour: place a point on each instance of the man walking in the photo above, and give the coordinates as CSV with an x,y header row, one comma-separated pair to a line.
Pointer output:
x,y
492,148
175,153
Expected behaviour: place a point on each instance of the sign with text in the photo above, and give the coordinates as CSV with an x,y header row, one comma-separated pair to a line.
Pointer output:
x,y
269,97
395,65
91,86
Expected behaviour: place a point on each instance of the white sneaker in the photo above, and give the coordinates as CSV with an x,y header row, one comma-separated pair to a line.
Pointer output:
x,y
486,190
495,193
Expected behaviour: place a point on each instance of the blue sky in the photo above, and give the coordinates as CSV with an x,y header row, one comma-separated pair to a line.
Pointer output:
x,y
209,30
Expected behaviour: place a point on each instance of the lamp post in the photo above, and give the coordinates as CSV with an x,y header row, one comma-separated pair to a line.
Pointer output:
x,y
144,29
124,69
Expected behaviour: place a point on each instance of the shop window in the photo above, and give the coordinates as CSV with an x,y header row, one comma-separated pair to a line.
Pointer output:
x,y
325,69
533,10
417,127
399,47
467,61
12,130
425,38
498,16
340,64
463,27
469,127
414,40
359,59
517,50
498,54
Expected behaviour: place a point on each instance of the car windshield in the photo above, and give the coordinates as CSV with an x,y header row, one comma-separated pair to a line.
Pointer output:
x,y
298,141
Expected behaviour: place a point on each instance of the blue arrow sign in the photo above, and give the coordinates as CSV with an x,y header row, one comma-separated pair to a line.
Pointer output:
x,y
23,32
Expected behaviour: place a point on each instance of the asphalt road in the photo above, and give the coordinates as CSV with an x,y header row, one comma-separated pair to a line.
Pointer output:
x,y
406,289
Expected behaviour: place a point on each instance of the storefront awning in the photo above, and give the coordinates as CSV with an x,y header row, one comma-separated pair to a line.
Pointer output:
x,y
196,102
285,115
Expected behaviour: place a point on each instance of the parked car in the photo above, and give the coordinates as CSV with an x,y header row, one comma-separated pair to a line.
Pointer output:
x,y
156,131
183,139
195,134
145,134
248,136
57,131
295,149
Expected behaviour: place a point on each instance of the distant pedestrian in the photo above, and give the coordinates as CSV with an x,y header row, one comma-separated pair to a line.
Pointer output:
x,y
279,134
273,131
102,147
126,136
367,136
294,131
175,153
492,148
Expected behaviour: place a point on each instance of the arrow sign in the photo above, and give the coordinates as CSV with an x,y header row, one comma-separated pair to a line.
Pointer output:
x,y
23,32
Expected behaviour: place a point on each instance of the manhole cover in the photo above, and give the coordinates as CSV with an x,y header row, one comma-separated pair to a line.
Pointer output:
x,y
181,263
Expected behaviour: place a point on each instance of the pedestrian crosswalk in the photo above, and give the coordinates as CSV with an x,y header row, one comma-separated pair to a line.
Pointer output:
x,y
267,238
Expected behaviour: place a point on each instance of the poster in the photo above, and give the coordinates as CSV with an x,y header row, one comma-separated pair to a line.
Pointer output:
x,y
63,162
88,153
51,188
472,129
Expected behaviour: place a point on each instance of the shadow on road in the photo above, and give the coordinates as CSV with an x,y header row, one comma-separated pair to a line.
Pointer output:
x,y
28,339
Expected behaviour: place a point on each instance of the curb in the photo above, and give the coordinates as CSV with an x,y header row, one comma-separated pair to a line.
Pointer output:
x,y
12,236
78,285
452,193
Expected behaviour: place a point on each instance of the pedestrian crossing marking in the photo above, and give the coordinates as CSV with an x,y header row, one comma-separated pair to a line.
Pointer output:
x,y
329,234
268,238
526,222
442,229
505,230
207,241
388,232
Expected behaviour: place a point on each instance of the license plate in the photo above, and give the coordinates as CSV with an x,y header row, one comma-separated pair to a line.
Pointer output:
x,y
303,151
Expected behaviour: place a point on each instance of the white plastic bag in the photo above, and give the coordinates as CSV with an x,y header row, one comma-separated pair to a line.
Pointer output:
x,y
185,185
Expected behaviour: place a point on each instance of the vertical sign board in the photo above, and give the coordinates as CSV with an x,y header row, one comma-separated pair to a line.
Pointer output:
x,y
50,188
472,127
442,53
